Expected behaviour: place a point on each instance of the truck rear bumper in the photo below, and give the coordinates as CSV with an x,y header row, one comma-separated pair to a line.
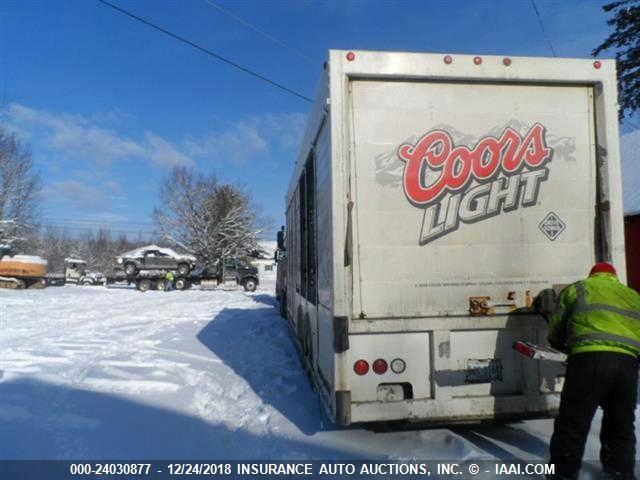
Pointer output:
x,y
458,410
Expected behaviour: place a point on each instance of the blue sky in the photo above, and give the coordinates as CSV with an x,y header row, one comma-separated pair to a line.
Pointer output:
x,y
109,105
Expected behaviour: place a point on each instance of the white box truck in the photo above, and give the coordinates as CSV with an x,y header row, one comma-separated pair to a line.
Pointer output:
x,y
434,198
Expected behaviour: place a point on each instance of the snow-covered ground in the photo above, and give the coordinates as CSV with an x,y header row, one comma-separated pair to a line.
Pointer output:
x,y
92,372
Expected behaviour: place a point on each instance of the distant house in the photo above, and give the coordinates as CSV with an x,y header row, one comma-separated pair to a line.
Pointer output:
x,y
265,266
266,263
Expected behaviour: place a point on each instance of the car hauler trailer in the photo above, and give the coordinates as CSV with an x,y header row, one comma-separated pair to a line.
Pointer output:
x,y
145,280
435,196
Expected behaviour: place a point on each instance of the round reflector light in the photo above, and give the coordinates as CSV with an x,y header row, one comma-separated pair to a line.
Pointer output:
x,y
597,64
351,56
398,365
448,60
506,61
380,366
361,367
477,60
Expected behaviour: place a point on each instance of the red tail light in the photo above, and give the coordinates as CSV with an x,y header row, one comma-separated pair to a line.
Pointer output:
x,y
524,349
380,366
361,367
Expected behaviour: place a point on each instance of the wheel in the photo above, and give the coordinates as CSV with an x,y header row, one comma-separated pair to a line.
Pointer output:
x,y
180,284
250,285
130,269
86,283
183,269
144,285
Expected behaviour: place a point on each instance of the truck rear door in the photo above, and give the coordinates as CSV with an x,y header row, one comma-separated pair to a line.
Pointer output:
x,y
468,192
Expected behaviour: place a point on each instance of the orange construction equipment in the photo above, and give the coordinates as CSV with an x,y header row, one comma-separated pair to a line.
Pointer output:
x,y
18,271
22,271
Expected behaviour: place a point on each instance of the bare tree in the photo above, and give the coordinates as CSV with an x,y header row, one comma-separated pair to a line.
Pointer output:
x,y
19,185
101,249
56,245
210,219
98,249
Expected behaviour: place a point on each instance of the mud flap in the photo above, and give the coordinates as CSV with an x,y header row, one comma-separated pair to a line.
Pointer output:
x,y
340,334
343,407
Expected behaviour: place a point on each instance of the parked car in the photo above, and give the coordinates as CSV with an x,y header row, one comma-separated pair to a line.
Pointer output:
x,y
152,257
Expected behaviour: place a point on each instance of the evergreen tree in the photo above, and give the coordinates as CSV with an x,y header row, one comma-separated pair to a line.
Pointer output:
x,y
626,40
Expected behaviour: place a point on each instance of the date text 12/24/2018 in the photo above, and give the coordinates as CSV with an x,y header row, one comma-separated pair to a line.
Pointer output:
x,y
93,468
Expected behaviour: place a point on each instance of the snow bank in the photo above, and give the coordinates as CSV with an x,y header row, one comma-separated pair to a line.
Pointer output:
x,y
97,373
74,260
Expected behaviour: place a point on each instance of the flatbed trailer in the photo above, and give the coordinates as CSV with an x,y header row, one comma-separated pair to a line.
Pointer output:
x,y
145,280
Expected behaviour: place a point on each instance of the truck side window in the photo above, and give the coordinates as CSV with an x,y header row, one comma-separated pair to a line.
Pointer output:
x,y
311,229
302,195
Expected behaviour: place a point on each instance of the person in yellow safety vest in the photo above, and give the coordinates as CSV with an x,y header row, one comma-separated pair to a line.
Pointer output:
x,y
169,277
597,323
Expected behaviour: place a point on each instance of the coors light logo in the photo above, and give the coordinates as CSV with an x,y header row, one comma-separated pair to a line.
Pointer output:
x,y
471,183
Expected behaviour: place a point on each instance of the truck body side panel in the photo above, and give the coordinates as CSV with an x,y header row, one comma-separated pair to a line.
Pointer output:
x,y
324,200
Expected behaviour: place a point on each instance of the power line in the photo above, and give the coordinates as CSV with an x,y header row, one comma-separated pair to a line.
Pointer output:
x,y
207,51
93,228
260,32
95,222
544,33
